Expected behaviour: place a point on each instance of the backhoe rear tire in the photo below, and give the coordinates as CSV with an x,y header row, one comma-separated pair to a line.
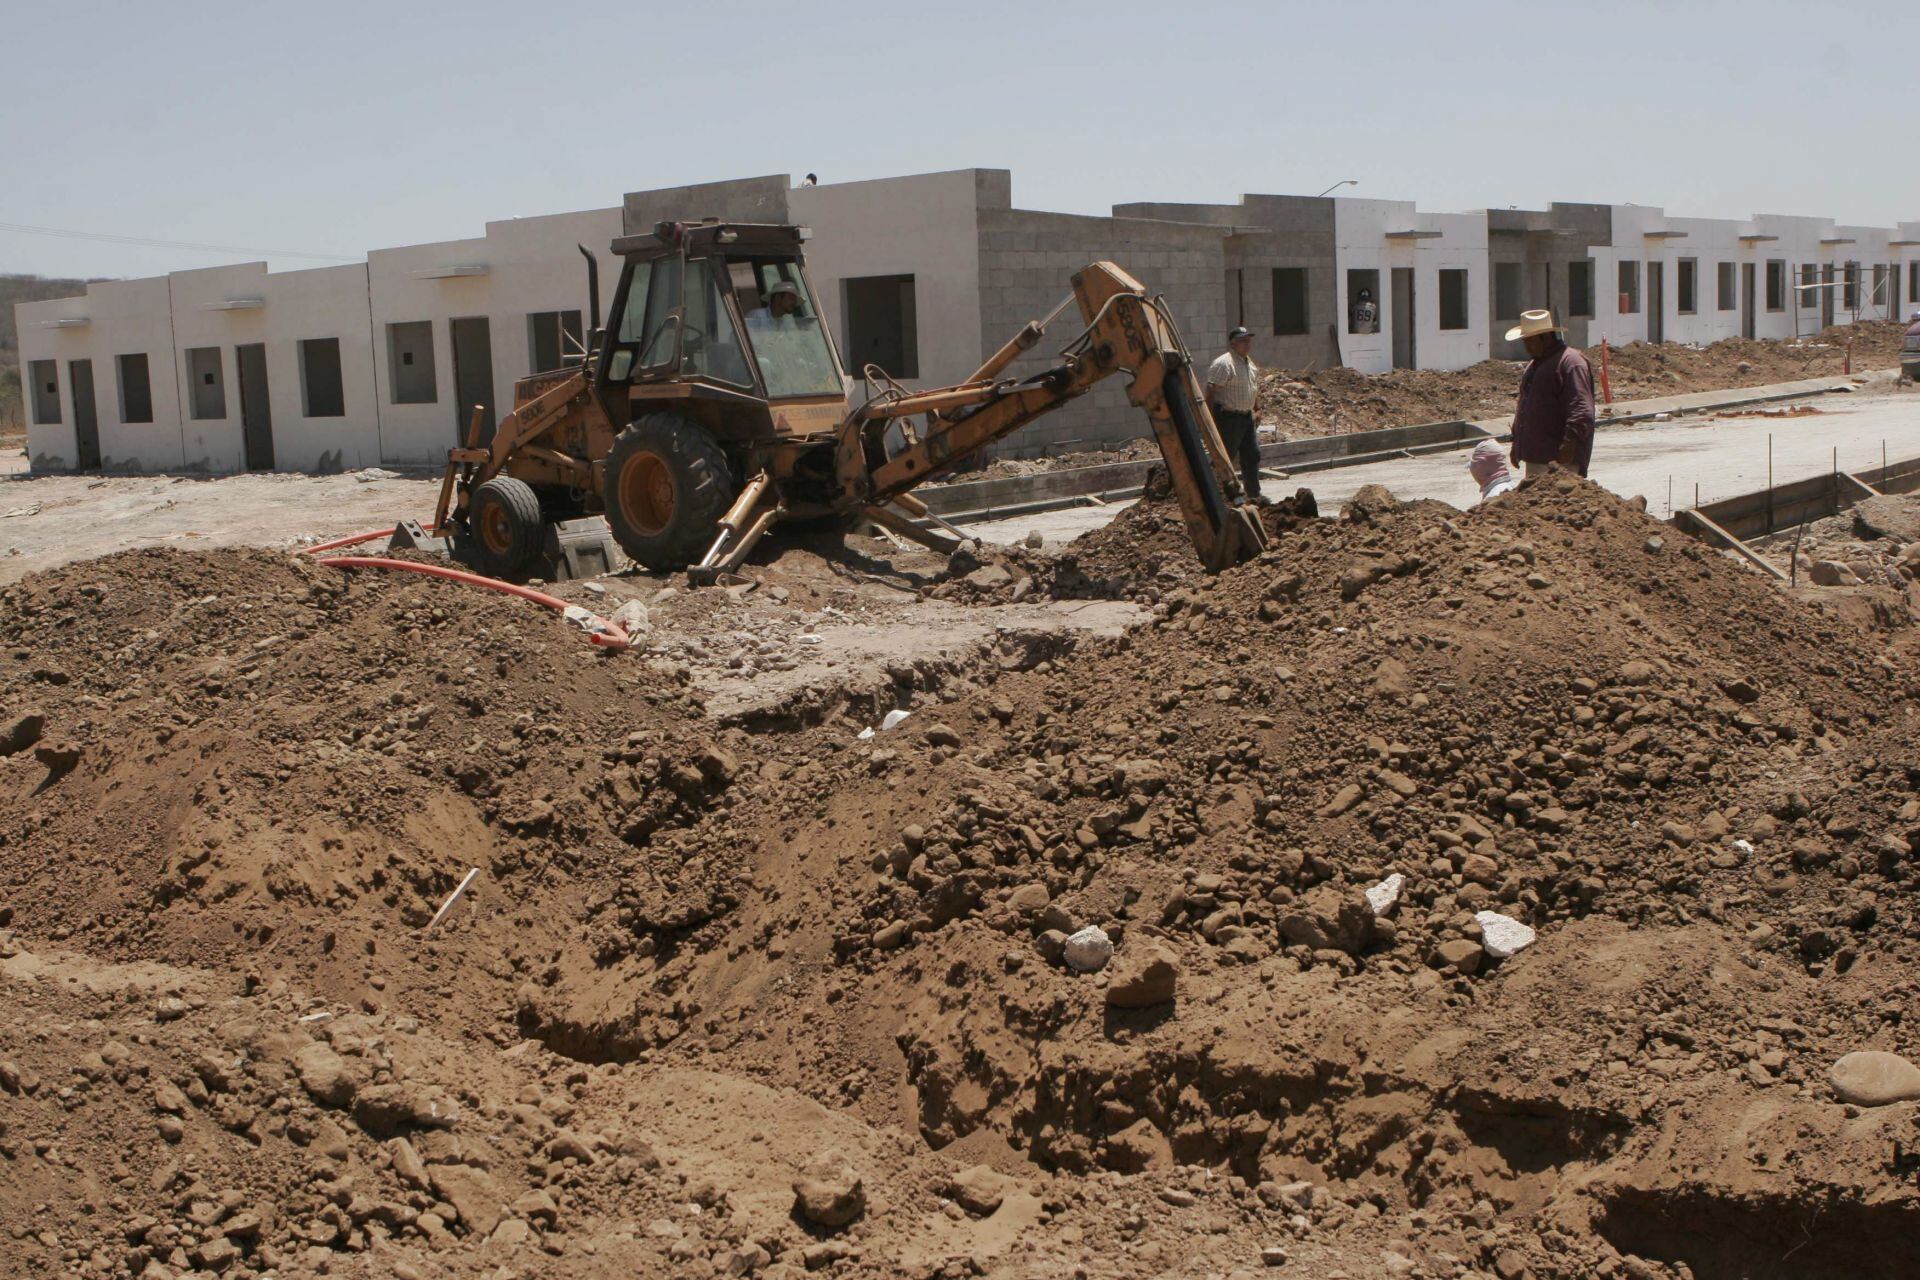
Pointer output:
x,y
507,527
667,487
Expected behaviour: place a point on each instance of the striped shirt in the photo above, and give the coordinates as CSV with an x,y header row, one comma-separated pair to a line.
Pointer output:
x,y
1230,383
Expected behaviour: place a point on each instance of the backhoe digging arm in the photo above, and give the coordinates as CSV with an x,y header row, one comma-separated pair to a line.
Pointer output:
x,y
1127,332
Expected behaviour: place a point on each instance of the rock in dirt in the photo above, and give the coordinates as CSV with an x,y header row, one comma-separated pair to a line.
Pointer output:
x,y
980,1190
1089,950
407,1165
473,1194
1503,936
1462,955
384,1109
1871,1078
1370,502
829,1193
1143,977
1831,573
325,1074
1330,919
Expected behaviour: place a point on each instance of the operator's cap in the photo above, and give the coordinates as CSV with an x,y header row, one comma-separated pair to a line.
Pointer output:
x,y
1239,333
784,286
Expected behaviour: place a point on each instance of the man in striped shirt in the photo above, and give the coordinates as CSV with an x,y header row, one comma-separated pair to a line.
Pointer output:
x,y
1230,395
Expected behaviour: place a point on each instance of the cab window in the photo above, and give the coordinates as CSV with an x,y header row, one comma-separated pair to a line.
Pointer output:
x,y
790,344
623,352
709,344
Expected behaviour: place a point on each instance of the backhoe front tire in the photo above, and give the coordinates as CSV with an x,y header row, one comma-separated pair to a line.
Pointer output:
x,y
667,487
507,525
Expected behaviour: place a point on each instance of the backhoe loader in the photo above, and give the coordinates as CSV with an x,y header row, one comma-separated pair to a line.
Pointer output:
x,y
713,406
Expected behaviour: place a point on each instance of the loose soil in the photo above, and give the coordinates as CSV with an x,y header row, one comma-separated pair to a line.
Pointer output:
x,y
760,995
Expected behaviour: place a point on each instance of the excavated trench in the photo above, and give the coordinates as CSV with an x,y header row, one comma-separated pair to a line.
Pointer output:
x,y
1275,1117
1763,1237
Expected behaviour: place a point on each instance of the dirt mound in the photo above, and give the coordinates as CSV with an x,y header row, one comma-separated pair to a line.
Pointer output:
x,y
1333,401
1523,710
1223,942
247,755
1656,369
1145,551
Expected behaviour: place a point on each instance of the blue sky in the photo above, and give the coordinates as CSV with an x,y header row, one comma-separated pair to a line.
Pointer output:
x,y
331,128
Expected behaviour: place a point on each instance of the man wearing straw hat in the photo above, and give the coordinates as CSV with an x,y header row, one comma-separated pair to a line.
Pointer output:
x,y
1554,420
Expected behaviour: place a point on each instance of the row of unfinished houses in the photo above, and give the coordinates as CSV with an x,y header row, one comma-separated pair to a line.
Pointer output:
x,y
381,363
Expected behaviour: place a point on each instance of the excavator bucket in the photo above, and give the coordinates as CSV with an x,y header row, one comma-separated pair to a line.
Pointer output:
x,y
1225,529
1122,318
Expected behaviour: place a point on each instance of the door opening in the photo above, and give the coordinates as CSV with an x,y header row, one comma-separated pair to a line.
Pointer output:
x,y
1746,300
1656,302
86,423
1403,352
472,376
256,418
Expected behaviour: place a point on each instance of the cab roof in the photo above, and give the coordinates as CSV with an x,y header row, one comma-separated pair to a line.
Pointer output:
x,y
746,236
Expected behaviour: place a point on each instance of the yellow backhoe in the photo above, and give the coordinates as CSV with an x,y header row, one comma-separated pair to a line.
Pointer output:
x,y
713,406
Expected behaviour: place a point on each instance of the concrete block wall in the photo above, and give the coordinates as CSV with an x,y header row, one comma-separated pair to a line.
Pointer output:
x,y
1647,237
328,302
1027,262
1265,232
1905,250
112,319
762,199
1545,245
924,226
1366,238
529,265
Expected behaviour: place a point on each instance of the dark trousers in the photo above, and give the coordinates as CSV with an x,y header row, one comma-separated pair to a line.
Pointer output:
x,y
1243,446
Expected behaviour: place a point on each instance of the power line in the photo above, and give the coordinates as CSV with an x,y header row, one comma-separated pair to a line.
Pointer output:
x,y
107,238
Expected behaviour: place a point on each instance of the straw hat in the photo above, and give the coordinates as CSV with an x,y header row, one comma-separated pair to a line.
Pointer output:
x,y
1532,322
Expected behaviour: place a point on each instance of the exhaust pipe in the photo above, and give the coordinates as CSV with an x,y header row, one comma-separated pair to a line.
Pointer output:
x,y
593,287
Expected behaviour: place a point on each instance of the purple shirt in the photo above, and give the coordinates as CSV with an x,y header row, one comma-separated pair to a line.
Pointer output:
x,y
1556,404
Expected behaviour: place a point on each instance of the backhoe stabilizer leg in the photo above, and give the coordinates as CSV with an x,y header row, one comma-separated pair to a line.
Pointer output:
x,y
921,511
745,523
912,532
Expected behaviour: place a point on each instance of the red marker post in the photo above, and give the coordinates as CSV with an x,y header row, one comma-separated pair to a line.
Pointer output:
x,y
1606,384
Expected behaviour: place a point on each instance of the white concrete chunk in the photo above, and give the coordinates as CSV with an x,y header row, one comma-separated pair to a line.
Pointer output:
x,y
1088,950
1503,936
1383,897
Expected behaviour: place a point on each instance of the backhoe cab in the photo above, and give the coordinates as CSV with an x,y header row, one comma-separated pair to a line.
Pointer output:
x,y
714,366
713,405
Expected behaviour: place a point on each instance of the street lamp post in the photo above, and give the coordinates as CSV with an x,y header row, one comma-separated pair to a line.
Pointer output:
x,y
1345,182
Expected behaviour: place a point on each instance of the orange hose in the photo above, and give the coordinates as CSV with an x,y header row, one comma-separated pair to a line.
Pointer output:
x,y
355,539
603,633
352,539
